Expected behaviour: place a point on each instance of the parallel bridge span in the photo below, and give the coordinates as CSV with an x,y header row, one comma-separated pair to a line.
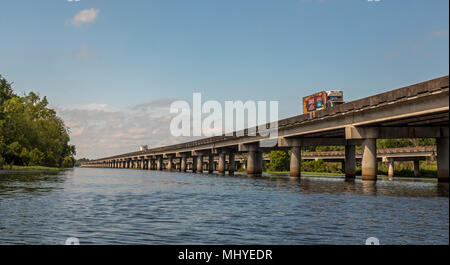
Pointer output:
x,y
417,111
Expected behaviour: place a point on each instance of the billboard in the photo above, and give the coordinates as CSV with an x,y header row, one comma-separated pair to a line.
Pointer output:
x,y
314,102
322,100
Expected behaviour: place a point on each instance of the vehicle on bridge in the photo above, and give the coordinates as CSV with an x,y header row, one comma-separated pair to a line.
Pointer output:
x,y
322,100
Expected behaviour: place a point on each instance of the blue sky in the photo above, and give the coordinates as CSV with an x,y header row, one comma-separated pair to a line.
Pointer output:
x,y
127,53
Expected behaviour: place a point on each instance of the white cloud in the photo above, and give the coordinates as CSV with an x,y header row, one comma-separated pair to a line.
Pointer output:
x,y
98,130
85,16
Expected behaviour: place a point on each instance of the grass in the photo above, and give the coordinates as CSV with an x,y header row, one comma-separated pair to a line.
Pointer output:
x,y
35,168
303,172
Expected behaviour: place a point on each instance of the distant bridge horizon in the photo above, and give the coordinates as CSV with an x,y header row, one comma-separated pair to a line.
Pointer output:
x,y
417,111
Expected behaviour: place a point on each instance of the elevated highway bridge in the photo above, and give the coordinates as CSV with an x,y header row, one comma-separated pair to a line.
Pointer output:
x,y
416,111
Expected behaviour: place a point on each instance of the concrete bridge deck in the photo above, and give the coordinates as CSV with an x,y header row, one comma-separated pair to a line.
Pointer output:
x,y
417,111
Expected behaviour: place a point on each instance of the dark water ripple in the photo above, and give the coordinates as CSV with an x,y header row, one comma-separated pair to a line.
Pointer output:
x,y
106,206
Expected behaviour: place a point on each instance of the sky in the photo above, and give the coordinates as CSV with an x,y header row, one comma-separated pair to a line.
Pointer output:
x,y
111,68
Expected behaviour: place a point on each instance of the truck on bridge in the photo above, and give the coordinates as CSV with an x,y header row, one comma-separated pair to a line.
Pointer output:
x,y
322,100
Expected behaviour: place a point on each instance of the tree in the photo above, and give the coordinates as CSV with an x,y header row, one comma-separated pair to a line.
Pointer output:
x,y
279,160
30,132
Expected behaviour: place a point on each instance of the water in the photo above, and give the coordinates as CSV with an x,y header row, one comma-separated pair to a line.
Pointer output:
x,y
118,206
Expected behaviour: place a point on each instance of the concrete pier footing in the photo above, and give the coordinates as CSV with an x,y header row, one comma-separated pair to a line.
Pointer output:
x,y
254,161
170,164
416,168
295,162
211,164
350,162
183,164
390,167
231,164
221,166
194,164
200,164
251,163
159,163
369,159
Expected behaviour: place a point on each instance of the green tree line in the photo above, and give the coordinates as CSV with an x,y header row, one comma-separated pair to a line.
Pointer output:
x,y
31,134
279,160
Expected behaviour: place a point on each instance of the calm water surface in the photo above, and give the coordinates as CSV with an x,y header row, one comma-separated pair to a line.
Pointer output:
x,y
119,206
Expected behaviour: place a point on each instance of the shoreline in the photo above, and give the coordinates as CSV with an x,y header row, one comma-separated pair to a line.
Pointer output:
x,y
342,174
30,169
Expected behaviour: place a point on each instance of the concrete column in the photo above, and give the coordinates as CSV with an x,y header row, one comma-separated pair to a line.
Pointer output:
x,y
194,164
169,163
416,168
183,164
369,160
390,167
295,162
200,164
251,162
232,164
221,167
254,161
211,164
142,163
350,162
442,145
259,163
159,163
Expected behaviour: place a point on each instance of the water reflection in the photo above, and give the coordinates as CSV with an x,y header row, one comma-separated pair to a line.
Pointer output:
x,y
113,206
33,182
382,187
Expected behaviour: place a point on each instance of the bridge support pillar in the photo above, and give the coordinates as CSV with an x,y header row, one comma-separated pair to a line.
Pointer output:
x,y
416,168
390,167
194,164
211,164
231,164
254,161
369,159
259,165
170,163
221,167
151,164
159,163
295,162
200,164
183,164
442,145
350,162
